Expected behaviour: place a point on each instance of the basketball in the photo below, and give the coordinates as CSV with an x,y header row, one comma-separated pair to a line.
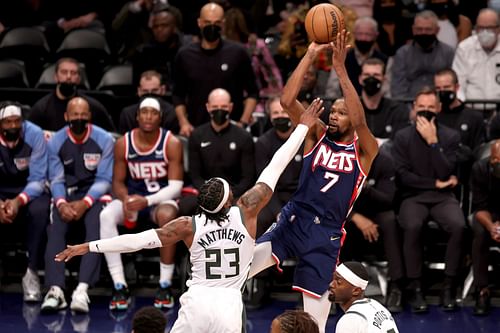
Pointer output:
x,y
323,23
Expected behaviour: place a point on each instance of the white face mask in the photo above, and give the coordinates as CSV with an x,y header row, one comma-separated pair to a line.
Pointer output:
x,y
487,38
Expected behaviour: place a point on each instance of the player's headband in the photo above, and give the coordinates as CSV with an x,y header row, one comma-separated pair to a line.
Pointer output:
x,y
351,277
150,102
225,196
9,111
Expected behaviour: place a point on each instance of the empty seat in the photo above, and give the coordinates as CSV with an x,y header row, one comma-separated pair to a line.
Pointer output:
x,y
48,81
13,74
118,79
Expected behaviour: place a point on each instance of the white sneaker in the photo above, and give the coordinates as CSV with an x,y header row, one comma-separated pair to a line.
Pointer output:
x,y
54,300
80,301
31,287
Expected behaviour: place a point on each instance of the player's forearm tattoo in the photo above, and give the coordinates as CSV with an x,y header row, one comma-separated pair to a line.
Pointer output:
x,y
255,195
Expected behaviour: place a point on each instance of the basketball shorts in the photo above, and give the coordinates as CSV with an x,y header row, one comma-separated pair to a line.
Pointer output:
x,y
209,309
316,244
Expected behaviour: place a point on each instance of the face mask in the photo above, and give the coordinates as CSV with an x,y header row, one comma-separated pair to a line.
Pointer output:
x,y
495,171
211,32
426,114
282,124
364,46
67,89
12,134
446,97
425,41
219,116
372,85
487,38
78,126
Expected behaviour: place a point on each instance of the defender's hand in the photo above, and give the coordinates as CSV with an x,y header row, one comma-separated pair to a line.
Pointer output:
x,y
311,115
71,251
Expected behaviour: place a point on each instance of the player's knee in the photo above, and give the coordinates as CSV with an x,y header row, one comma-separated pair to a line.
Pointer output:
x,y
107,222
165,213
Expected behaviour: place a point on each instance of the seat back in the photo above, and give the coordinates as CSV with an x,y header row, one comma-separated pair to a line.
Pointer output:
x,y
13,74
47,78
118,79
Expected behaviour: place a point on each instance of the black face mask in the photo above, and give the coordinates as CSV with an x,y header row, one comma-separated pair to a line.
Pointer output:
x,y
282,124
426,114
425,41
211,32
67,89
446,97
372,85
219,116
495,170
364,46
12,134
78,126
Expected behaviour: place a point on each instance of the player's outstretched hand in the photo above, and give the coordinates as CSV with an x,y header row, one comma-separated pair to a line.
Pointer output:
x,y
310,116
71,251
340,48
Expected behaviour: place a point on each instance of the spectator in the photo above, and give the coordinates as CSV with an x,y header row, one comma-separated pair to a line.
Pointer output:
x,y
365,39
485,184
212,63
494,129
150,85
362,315
159,53
80,162
384,116
363,8
294,321
425,159
453,26
374,211
23,158
269,81
416,63
219,149
48,112
476,60
310,87
149,319
147,178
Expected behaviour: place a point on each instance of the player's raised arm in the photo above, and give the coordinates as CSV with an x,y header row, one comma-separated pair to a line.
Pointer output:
x,y
253,200
367,143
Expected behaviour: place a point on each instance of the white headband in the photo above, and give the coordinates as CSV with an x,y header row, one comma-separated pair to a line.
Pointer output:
x,y
150,102
351,277
225,196
9,111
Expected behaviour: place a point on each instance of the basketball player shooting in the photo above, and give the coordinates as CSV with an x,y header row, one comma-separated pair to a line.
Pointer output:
x,y
220,239
337,158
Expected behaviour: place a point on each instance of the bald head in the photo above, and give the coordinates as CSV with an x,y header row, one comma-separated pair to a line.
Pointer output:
x,y
219,99
211,10
487,17
210,22
78,108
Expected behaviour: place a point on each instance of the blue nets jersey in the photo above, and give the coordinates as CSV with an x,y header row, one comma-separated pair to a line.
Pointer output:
x,y
147,170
330,181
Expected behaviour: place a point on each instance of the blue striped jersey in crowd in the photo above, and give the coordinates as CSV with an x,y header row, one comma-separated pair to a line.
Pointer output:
x,y
23,168
80,169
331,180
147,170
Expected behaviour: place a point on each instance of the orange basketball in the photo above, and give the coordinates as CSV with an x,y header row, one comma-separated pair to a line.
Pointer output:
x,y
324,22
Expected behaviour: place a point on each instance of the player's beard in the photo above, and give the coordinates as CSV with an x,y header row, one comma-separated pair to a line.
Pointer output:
x,y
334,135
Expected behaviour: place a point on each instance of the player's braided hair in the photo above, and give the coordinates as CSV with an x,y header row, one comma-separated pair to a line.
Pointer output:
x,y
149,320
297,321
211,194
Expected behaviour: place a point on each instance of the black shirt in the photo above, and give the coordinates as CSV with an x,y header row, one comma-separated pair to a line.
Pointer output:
x,y
485,188
48,113
265,147
228,154
389,117
198,71
128,117
418,165
354,68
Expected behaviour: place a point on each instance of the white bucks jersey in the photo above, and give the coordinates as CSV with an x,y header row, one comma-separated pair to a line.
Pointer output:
x,y
367,316
221,255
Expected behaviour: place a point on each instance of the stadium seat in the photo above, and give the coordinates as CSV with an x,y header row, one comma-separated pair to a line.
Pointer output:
x,y
118,79
13,74
88,47
47,79
30,46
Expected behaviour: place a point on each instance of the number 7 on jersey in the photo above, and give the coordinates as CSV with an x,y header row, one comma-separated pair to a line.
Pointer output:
x,y
333,178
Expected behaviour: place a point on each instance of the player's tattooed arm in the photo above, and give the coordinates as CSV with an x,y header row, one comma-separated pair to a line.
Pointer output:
x,y
176,230
253,200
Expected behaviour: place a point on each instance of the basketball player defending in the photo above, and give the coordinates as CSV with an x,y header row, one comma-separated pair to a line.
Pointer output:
x,y
362,315
337,158
147,176
220,239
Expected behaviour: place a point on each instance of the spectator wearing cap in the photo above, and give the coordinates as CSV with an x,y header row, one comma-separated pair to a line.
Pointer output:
x,y
23,198
150,85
